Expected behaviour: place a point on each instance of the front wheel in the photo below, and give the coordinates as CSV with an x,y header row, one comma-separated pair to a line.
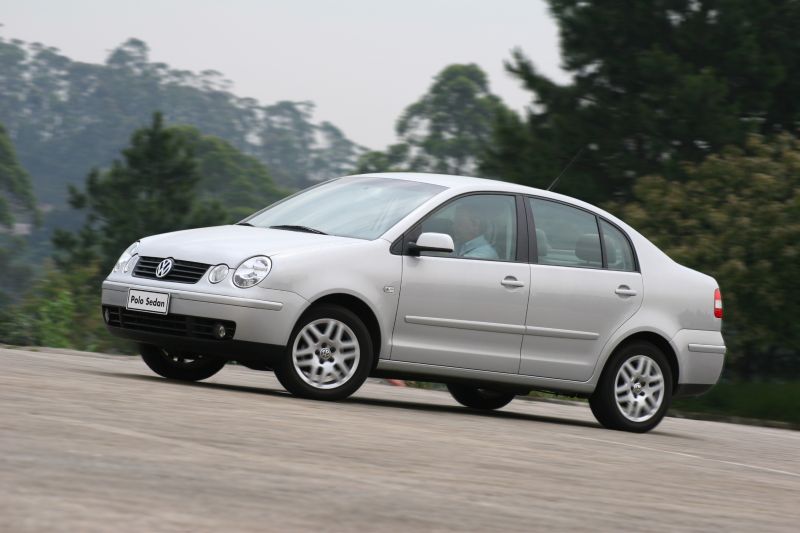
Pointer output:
x,y
635,390
329,355
178,365
477,398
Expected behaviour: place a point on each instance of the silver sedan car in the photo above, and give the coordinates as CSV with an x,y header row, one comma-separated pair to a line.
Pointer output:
x,y
492,288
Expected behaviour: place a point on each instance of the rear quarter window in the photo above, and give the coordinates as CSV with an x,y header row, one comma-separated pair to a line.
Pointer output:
x,y
619,254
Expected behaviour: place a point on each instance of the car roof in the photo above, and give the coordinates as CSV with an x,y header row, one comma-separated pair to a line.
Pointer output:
x,y
469,184
451,181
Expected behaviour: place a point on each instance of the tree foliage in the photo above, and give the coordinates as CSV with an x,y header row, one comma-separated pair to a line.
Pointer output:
x,y
61,309
169,178
16,193
154,189
240,183
394,159
737,218
64,116
16,203
653,84
446,130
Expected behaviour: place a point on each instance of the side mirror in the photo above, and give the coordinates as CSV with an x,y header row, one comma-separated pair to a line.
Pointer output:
x,y
432,242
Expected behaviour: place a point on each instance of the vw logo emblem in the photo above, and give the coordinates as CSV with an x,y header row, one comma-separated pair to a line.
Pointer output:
x,y
164,267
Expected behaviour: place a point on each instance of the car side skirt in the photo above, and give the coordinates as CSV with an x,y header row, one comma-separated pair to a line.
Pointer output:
x,y
443,374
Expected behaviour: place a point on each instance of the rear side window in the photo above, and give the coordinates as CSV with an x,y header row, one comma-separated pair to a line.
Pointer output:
x,y
619,255
565,236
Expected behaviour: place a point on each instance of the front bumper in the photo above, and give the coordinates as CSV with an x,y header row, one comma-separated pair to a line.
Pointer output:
x,y
701,356
267,321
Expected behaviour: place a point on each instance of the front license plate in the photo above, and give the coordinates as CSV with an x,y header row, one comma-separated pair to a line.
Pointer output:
x,y
152,302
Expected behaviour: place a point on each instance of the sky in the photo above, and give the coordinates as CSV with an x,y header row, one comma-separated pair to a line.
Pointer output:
x,y
360,61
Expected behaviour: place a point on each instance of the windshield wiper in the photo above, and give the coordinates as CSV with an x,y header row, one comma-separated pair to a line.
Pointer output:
x,y
244,224
292,227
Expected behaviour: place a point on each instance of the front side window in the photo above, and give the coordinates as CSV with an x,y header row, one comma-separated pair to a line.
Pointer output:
x,y
565,236
363,207
619,255
483,226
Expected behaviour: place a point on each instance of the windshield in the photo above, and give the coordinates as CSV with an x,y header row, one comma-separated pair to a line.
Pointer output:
x,y
363,208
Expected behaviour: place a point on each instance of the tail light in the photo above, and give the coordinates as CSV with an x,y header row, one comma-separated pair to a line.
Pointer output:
x,y
717,303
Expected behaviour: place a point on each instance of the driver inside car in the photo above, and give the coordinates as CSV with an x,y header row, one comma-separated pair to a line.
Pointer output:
x,y
469,231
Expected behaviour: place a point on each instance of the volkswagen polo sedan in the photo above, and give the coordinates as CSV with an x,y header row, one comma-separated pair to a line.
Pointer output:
x,y
492,288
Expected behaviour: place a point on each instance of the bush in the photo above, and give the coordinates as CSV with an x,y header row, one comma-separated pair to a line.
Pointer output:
x,y
62,310
776,401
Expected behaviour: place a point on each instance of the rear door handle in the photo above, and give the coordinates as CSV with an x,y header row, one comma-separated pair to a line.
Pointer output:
x,y
624,290
511,281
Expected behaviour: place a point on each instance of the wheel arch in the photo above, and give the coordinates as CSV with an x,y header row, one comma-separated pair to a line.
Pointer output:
x,y
360,308
660,342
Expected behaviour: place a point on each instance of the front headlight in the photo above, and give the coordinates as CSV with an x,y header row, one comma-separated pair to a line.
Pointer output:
x,y
252,271
127,255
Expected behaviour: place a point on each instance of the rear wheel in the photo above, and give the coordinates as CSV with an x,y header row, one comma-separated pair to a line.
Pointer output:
x,y
478,398
635,389
329,355
180,365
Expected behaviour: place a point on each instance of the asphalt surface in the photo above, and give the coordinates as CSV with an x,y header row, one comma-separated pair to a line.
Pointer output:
x,y
97,443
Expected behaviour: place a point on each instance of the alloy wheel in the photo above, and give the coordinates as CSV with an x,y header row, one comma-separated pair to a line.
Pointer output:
x,y
326,353
639,388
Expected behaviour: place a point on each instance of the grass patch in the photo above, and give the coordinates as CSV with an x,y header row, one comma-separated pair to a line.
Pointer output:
x,y
776,401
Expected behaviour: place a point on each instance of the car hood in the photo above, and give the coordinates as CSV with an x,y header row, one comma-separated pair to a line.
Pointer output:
x,y
233,244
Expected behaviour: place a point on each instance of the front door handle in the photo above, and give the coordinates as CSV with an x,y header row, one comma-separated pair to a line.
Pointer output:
x,y
511,281
624,290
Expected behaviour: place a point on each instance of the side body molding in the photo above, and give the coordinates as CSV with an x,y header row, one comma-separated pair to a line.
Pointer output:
x,y
501,328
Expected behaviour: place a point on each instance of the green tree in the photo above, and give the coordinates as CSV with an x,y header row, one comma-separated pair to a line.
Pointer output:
x,y
653,84
287,137
394,159
64,115
334,154
170,178
16,200
737,217
237,181
16,193
153,190
446,129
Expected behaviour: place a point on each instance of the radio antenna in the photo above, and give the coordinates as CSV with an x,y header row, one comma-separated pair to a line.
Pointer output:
x,y
574,158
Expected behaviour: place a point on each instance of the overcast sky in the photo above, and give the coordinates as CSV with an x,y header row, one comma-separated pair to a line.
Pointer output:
x,y
361,61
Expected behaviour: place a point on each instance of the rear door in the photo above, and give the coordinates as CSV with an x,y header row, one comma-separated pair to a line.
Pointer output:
x,y
581,292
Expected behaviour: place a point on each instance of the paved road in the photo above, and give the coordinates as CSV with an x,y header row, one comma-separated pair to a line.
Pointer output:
x,y
97,443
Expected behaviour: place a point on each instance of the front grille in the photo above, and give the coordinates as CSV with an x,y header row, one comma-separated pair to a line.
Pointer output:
x,y
180,325
182,271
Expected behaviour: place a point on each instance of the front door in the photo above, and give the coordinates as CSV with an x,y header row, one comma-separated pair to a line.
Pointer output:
x,y
466,309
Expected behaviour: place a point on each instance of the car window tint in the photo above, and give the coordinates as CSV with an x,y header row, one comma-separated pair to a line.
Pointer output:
x,y
565,236
619,255
483,226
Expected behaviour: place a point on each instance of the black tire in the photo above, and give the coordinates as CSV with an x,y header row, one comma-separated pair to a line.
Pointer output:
x,y
478,398
180,366
292,378
604,403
